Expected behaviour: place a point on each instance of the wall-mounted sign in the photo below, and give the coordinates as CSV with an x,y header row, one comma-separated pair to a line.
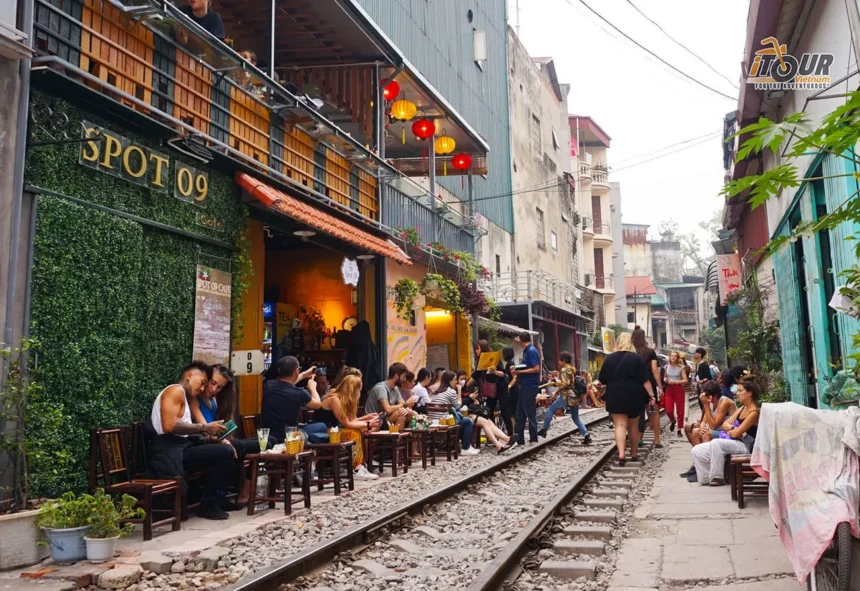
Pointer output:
x,y
207,221
212,315
118,156
729,279
247,363
190,184
608,339
349,271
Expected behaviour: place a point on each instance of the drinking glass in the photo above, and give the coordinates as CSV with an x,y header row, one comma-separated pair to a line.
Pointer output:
x,y
263,438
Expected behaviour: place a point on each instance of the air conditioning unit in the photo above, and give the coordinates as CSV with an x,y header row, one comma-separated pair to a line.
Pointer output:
x,y
588,279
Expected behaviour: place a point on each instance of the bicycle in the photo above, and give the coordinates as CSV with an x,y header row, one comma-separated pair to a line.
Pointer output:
x,y
833,570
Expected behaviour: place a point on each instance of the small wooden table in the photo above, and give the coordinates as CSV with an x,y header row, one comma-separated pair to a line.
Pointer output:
x,y
449,437
337,459
397,444
277,468
426,440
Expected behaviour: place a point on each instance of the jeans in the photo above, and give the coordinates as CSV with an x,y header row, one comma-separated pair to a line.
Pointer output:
x,y
574,414
316,432
219,463
526,410
466,432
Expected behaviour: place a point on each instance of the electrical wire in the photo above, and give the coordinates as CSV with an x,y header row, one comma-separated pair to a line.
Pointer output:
x,y
684,47
637,156
642,47
662,155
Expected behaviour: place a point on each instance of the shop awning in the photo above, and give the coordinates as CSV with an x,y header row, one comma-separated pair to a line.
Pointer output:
x,y
316,218
508,329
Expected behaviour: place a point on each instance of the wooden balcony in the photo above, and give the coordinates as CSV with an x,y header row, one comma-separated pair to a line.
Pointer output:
x,y
203,90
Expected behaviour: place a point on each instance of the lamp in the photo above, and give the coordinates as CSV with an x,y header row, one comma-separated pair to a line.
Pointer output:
x,y
461,162
423,129
444,144
403,110
391,90
304,234
365,257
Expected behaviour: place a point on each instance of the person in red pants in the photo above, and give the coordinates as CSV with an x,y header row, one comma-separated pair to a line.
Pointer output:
x,y
675,399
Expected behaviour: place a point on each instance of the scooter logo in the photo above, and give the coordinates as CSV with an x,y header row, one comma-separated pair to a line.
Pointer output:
x,y
775,69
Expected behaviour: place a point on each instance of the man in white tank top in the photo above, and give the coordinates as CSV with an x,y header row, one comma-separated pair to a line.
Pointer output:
x,y
174,453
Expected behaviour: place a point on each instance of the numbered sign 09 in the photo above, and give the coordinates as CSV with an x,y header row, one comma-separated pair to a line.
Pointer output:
x,y
247,363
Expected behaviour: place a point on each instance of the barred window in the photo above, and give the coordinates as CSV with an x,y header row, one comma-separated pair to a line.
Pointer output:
x,y
541,233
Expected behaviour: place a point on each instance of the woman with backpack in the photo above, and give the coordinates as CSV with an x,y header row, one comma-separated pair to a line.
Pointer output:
x,y
570,389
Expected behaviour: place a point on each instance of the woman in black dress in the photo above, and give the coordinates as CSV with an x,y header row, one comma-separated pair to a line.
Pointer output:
x,y
628,389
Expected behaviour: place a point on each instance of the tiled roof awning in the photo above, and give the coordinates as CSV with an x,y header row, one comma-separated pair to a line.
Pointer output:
x,y
316,218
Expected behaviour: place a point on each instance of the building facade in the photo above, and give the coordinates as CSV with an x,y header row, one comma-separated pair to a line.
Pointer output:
x,y
595,215
815,338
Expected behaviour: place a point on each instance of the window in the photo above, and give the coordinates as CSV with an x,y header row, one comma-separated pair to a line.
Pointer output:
x,y
498,266
535,133
541,235
555,143
553,241
631,317
479,45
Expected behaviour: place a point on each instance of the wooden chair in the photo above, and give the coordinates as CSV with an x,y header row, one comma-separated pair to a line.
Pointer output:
x,y
110,469
250,424
383,447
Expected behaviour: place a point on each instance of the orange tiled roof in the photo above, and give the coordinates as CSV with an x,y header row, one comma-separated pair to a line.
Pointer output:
x,y
314,217
639,286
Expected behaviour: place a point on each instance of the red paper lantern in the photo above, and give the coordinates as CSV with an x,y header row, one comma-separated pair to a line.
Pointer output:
x,y
423,129
461,162
391,90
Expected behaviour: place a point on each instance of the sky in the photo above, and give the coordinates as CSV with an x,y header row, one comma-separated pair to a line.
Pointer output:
x,y
642,104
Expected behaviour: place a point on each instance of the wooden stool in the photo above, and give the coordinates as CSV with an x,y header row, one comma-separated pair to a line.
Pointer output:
x,y
426,441
396,445
741,489
447,440
278,467
335,458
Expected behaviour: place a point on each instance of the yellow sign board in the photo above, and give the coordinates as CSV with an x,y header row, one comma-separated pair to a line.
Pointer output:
x,y
489,360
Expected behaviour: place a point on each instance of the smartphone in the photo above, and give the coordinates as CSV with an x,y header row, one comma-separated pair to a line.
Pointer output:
x,y
231,426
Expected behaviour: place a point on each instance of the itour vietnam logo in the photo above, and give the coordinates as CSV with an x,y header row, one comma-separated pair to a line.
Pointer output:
x,y
775,69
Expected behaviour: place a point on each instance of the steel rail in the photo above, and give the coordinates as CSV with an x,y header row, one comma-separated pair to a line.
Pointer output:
x,y
322,552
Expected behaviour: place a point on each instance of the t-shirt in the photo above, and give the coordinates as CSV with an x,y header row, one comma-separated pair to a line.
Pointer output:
x,y
650,356
422,396
531,358
211,21
377,394
623,373
448,398
210,414
703,372
282,402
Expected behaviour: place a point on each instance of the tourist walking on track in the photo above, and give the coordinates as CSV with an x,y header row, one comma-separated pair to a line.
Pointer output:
x,y
628,390
675,399
652,409
569,392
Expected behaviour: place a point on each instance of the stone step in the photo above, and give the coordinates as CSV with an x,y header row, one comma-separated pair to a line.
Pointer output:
x,y
569,569
613,483
598,532
589,547
589,516
604,503
631,470
609,493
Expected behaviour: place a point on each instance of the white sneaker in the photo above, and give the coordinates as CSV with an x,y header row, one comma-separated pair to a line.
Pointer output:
x,y
469,452
364,474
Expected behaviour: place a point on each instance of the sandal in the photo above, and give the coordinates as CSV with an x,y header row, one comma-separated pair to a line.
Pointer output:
x,y
634,458
621,461
717,482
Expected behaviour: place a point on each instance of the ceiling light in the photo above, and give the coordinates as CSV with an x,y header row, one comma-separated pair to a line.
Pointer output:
x,y
305,233
366,257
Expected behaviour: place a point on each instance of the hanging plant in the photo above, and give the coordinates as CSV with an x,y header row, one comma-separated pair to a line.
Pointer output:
x,y
446,289
472,300
409,236
405,294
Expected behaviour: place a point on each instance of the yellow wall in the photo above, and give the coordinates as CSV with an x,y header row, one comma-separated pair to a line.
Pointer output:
x,y
405,343
465,354
312,277
250,387
442,330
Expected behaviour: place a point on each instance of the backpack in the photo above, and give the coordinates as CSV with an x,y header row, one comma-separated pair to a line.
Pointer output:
x,y
579,386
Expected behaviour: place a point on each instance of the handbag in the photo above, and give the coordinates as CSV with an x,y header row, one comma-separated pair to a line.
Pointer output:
x,y
458,416
488,388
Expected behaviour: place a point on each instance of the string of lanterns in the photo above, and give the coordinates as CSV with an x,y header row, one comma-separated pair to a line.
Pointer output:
x,y
402,109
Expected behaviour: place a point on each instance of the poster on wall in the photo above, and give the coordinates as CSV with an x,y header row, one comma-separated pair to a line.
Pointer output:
x,y
729,279
608,339
212,315
437,356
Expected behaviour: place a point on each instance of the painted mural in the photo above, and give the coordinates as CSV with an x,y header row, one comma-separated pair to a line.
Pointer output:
x,y
406,343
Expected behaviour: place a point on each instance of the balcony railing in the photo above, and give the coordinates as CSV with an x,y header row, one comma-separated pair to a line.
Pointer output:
x,y
207,92
598,281
602,229
587,225
528,286
405,204
600,177
585,171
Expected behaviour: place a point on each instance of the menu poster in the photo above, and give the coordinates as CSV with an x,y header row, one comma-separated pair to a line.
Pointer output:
x,y
212,316
489,360
437,356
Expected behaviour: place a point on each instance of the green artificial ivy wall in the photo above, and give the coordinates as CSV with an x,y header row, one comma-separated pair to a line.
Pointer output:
x,y
112,300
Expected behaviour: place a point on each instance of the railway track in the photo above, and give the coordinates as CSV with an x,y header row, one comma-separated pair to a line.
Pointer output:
x,y
470,534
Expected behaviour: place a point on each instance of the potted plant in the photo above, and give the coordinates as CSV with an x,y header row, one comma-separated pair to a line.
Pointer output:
x,y
20,391
65,522
107,519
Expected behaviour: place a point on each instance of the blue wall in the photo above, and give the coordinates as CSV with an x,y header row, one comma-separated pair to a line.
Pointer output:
x,y
437,38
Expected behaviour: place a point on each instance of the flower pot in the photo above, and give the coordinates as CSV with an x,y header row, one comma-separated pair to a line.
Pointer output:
x,y
100,549
18,540
67,545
